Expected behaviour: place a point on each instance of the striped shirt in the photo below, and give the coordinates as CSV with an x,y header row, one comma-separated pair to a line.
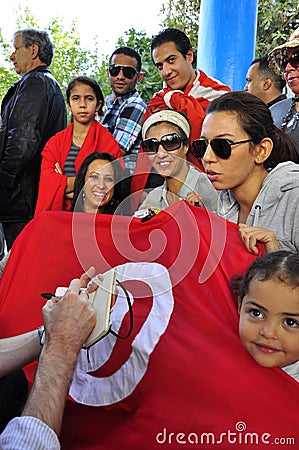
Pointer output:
x,y
69,165
28,433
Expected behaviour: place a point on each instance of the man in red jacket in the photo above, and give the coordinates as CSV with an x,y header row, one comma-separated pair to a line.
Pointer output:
x,y
185,89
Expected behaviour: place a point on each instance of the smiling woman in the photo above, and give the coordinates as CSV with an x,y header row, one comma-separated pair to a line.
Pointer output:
x,y
99,186
165,137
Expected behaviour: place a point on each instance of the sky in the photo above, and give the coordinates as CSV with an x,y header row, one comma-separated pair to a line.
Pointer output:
x,y
108,20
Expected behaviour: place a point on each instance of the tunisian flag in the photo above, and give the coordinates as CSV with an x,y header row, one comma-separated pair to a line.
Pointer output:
x,y
182,379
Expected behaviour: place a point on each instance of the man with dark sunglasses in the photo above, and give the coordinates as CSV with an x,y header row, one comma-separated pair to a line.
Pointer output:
x,y
185,89
125,107
285,60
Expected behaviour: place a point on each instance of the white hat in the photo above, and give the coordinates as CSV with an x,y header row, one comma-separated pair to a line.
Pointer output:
x,y
167,115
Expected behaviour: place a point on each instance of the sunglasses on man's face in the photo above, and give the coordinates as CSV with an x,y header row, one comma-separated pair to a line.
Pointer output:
x,y
221,147
169,142
293,60
128,71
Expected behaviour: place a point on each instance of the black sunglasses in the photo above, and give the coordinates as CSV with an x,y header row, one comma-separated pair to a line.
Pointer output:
x,y
169,142
128,71
293,60
221,147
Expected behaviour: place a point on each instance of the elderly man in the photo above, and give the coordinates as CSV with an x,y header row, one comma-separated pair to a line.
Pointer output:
x,y
32,111
285,60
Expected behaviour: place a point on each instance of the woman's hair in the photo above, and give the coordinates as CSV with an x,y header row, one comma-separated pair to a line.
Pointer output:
x,y
118,195
255,118
281,266
89,82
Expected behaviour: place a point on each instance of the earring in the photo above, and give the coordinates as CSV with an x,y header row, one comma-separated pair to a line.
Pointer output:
x,y
83,195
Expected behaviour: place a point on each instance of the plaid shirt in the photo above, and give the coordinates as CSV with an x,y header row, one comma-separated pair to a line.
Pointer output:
x,y
123,119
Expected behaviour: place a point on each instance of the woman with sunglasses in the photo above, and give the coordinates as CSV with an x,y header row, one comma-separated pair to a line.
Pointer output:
x,y
165,139
285,61
64,153
252,164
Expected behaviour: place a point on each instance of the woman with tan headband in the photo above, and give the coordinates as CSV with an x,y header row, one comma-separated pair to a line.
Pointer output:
x,y
165,138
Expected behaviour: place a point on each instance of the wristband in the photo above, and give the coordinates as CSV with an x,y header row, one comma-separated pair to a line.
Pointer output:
x,y
41,334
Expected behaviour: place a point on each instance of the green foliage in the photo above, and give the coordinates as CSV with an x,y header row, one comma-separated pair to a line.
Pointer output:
x,y
151,82
276,20
70,59
184,15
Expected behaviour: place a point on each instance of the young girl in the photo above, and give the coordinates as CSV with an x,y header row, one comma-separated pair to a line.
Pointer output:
x,y
64,153
268,297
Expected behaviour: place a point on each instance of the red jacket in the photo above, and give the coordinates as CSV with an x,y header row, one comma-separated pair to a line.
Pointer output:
x,y
52,185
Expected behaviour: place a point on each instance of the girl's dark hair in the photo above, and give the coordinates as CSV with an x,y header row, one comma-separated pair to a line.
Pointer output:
x,y
256,120
282,266
94,86
118,195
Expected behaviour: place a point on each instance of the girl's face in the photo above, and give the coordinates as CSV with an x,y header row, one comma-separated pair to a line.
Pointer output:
x,y
99,185
269,323
240,167
168,164
83,103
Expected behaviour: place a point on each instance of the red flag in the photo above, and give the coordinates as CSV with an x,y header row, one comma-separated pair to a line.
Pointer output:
x,y
182,378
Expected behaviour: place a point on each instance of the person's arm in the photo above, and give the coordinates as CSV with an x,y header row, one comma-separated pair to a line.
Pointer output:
x,y
17,351
68,323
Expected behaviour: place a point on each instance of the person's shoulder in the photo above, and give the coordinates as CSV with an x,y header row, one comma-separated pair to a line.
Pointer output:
x,y
281,105
41,76
103,131
134,98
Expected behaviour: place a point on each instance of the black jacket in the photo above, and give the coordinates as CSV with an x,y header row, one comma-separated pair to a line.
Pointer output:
x,y
32,111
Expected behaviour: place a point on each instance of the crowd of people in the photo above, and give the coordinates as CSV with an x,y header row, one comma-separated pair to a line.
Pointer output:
x,y
235,153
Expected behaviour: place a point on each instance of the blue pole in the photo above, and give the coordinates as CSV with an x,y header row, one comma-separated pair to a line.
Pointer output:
x,y
226,39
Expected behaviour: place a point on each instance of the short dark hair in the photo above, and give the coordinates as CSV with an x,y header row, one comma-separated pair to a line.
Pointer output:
x,y
128,51
264,69
256,119
118,196
175,35
281,266
90,82
41,38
